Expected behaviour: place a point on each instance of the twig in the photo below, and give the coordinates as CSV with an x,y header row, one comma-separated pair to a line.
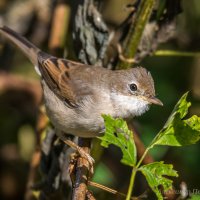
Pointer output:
x,y
136,31
89,195
82,172
122,57
110,190
176,53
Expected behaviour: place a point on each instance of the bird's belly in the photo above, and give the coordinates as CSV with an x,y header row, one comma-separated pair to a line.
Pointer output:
x,y
71,120
74,124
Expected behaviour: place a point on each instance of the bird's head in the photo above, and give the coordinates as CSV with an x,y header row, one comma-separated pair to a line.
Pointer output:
x,y
133,91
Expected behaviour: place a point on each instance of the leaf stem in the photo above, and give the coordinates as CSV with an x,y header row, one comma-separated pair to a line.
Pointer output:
x,y
147,150
143,156
176,53
131,184
134,170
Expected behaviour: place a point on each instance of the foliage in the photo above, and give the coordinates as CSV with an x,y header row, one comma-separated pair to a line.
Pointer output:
x,y
117,133
154,173
177,131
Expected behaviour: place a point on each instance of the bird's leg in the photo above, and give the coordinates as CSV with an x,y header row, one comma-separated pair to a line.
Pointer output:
x,y
81,152
72,166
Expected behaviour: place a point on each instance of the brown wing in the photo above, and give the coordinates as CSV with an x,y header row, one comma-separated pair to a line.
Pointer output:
x,y
57,75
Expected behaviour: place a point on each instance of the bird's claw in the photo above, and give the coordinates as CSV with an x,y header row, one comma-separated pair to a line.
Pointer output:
x,y
85,155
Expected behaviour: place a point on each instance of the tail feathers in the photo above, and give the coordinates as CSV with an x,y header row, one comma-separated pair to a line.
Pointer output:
x,y
30,50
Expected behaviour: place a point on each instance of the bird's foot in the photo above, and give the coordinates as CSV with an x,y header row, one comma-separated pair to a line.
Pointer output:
x,y
85,155
81,152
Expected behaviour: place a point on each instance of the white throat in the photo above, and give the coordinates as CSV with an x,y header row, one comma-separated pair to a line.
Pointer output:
x,y
128,106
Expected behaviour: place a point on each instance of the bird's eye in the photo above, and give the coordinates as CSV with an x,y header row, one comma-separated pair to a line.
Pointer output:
x,y
133,87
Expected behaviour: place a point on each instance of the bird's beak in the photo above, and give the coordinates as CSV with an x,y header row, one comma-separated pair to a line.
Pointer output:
x,y
156,101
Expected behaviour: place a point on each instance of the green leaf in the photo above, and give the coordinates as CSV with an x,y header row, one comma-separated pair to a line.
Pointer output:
x,y
180,108
155,172
181,132
118,134
195,197
178,131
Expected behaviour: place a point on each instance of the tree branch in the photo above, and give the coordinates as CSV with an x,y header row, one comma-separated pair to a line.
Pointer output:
x,y
135,32
82,172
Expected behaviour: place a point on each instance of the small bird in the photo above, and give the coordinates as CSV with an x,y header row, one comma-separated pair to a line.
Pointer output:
x,y
76,95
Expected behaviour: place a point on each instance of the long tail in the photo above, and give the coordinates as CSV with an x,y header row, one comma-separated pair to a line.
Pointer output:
x,y
30,50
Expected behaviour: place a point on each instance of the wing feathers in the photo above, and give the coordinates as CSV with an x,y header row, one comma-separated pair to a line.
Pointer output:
x,y
57,77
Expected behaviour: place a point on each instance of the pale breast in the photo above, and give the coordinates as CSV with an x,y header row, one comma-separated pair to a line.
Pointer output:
x,y
128,106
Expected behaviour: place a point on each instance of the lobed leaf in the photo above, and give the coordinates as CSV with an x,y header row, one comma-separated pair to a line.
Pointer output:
x,y
155,172
177,131
118,134
181,132
180,108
